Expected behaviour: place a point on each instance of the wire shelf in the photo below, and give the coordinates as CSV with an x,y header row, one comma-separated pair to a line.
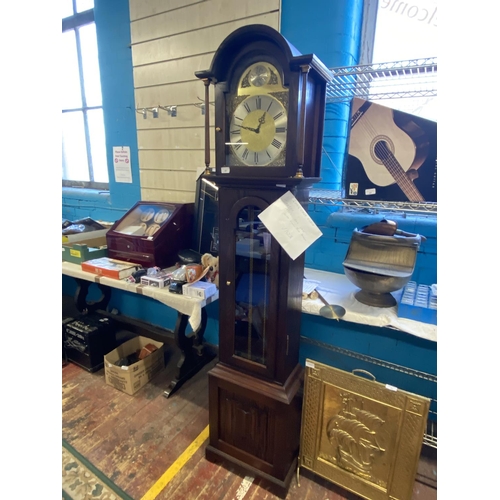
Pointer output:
x,y
334,198
430,436
394,80
411,78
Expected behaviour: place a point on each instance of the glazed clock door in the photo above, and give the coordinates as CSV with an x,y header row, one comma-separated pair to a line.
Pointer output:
x,y
249,294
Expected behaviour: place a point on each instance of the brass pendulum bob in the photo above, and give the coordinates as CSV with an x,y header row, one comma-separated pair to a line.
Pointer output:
x,y
330,311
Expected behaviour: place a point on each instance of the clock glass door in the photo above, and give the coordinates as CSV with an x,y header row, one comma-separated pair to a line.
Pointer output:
x,y
252,288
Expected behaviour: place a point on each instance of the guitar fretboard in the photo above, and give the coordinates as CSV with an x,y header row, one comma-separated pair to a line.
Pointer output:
x,y
359,113
391,163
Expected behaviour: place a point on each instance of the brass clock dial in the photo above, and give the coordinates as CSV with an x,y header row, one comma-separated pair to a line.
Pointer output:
x,y
259,75
257,130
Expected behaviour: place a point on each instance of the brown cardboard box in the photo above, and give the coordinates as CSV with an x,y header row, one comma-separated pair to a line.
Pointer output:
x,y
85,249
130,379
79,237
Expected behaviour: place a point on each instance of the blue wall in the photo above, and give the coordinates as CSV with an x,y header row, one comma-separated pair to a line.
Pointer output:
x,y
331,30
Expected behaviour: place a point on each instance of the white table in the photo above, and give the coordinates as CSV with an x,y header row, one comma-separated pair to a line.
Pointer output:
x,y
189,309
337,289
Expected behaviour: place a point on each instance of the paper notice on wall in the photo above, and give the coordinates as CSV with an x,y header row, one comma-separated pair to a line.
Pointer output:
x,y
121,162
290,224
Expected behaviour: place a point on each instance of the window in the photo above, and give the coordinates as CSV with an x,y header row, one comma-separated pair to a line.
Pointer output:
x,y
396,30
84,161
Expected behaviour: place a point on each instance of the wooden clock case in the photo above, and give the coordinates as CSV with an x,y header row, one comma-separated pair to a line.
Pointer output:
x,y
255,404
254,390
127,241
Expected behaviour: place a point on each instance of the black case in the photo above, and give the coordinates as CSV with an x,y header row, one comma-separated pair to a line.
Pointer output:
x,y
87,339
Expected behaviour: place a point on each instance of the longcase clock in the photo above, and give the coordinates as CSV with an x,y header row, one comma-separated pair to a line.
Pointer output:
x,y
269,114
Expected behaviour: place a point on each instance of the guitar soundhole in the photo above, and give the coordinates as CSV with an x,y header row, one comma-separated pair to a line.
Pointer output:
x,y
381,149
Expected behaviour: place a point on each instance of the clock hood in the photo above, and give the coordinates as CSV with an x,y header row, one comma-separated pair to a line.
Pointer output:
x,y
238,40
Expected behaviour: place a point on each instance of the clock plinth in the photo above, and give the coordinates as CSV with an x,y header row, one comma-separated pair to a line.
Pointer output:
x,y
255,424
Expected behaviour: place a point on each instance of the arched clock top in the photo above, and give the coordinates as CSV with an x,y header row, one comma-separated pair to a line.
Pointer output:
x,y
236,45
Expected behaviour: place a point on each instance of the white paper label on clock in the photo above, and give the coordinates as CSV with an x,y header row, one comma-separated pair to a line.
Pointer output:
x,y
310,364
225,170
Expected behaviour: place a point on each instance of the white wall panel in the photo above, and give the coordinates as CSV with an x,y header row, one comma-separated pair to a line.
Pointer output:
x,y
173,93
171,40
167,195
185,138
197,17
145,8
190,43
187,116
181,160
177,70
169,180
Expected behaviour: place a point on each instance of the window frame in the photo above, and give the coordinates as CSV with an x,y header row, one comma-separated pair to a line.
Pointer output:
x,y
73,22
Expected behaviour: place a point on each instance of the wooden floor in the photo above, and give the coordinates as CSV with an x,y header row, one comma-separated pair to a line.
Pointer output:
x,y
134,440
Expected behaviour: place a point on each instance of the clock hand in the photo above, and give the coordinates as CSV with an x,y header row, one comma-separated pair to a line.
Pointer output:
x,y
262,119
251,129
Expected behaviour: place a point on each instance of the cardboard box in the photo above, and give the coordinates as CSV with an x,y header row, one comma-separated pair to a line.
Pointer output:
x,y
79,237
199,290
130,379
90,248
112,268
160,280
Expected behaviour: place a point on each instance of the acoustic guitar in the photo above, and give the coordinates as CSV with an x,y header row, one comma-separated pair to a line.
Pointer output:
x,y
390,146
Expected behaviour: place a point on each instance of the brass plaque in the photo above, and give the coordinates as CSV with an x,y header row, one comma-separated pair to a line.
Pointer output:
x,y
360,434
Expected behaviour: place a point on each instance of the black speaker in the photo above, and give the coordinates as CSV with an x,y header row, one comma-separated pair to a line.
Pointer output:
x,y
87,339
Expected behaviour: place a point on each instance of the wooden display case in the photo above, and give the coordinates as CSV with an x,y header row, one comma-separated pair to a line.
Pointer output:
x,y
152,233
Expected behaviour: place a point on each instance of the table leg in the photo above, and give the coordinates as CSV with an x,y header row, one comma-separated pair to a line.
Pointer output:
x,y
81,297
194,354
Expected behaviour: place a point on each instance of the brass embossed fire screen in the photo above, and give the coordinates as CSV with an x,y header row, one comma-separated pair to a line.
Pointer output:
x,y
360,434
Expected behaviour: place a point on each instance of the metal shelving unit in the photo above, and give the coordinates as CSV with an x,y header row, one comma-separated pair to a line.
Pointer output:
x,y
412,78
334,198
395,80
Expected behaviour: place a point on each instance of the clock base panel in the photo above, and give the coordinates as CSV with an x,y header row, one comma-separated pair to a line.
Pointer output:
x,y
255,423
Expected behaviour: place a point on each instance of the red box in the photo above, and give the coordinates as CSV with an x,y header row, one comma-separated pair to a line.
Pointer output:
x,y
110,267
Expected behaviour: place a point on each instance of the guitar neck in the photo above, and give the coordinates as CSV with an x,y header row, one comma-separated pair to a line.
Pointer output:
x,y
359,113
397,172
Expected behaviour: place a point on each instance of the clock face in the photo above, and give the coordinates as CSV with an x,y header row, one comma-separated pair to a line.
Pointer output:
x,y
257,132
